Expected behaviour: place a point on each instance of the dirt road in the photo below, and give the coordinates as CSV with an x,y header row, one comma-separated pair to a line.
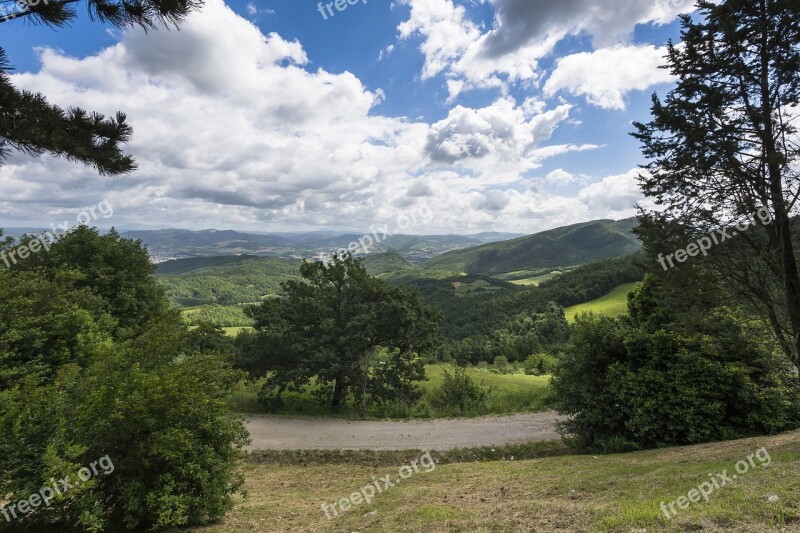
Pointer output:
x,y
277,433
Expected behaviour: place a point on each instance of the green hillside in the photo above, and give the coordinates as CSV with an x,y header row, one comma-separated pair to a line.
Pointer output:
x,y
225,281
615,303
568,246
387,265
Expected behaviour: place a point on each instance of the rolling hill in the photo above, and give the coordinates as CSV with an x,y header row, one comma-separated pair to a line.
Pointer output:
x,y
225,280
568,246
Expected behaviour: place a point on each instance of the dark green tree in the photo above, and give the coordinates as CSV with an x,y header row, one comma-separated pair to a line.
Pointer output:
x,y
328,328
723,144
30,124
668,376
71,393
116,269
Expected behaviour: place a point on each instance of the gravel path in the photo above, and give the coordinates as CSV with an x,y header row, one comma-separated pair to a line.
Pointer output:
x,y
278,433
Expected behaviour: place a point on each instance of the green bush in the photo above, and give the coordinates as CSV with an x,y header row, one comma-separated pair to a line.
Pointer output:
x,y
502,365
540,364
458,394
72,392
628,388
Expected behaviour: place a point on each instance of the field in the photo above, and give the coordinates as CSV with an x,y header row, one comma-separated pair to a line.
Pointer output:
x,y
614,303
492,491
536,280
509,393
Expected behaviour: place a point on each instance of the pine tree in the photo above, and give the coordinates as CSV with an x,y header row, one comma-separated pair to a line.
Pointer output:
x,y
724,144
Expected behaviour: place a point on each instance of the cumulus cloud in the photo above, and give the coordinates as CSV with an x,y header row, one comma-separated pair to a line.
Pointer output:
x,y
615,194
232,128
605,76
524,32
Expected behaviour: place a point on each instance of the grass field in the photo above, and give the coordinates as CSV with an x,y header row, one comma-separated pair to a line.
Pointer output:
x,y
614,303
234,331
569,493
511,393
536,280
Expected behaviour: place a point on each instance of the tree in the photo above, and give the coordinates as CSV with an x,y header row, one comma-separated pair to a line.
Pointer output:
x,y
723,144
116,269
29,124
328,328
71,393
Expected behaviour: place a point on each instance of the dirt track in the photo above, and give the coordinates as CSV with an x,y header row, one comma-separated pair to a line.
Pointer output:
x,y
277,433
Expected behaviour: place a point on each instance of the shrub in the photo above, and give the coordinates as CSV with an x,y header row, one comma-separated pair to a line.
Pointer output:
x,y
628,388
458,394
502,365
73,393
540,364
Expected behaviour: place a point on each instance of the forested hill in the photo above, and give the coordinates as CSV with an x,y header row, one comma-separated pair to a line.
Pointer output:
x,y
578,244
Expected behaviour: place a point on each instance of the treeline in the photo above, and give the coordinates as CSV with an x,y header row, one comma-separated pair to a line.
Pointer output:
x,y
217,315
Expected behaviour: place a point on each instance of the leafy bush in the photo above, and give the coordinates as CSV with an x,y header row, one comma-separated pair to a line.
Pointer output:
x,y
540,364
502,366
458,394
627,388
72,393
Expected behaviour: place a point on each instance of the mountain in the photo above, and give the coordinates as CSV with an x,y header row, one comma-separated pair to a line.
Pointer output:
x,y
573,245
170,244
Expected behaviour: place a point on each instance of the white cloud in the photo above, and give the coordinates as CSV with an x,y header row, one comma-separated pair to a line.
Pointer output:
x,y
524,32
605,76
560,176
232,129
615,195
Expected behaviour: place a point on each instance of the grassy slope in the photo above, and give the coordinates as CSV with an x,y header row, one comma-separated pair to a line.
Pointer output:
x,y
512,393
571,245
575,493
536,280
614,303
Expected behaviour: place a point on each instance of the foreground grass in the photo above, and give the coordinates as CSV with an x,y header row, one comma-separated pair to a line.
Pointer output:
x,y
615,303
509,394
576,493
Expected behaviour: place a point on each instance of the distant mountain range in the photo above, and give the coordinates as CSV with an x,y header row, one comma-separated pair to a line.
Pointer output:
x,y
168,244
234,279
490,253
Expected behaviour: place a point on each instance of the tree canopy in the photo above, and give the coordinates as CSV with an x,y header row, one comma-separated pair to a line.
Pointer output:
x,y
723,144
349,331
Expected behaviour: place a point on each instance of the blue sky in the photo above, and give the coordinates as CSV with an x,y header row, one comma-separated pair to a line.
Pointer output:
x,y
498,115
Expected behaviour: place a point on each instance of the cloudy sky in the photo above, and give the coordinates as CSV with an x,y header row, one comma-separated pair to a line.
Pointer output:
x,y
276,115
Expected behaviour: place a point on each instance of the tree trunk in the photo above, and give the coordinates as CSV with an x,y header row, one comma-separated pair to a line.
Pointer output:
x,y
338,393
783,225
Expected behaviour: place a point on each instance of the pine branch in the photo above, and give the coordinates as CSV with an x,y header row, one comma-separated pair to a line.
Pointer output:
x,y
30,124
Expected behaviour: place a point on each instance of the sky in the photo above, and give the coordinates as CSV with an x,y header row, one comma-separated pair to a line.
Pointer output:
x,y
294,115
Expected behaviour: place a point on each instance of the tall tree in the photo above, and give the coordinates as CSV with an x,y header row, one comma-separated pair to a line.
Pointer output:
x,y
724,144
328,328
31,125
